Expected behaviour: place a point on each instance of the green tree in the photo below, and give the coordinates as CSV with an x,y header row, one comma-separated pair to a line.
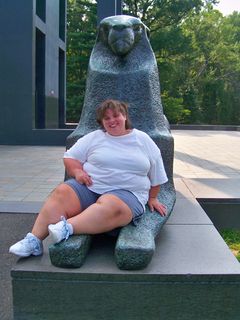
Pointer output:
x,y
174,109
163,17
214,70
197,51
81,34
171,47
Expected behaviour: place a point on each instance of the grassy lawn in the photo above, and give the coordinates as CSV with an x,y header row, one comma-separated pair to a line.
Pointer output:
x,y
232,238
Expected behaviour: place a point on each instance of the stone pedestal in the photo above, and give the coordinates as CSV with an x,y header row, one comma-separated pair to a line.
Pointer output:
x,y
192,275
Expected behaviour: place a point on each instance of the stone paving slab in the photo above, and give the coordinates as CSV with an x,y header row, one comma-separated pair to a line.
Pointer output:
x,y
191,213
29,173
214,188
208,154
182,191
20,206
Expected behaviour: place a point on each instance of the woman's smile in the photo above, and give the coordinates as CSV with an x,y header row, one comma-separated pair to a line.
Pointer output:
x,y
114,123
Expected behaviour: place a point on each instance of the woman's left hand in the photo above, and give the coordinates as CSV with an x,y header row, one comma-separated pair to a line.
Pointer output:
x,y
154,204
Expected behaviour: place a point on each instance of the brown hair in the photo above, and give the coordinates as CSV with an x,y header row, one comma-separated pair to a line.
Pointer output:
x,y
115,106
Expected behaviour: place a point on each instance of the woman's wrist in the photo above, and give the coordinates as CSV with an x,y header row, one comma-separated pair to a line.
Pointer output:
x,y
72,166
152,199
77,171
153,192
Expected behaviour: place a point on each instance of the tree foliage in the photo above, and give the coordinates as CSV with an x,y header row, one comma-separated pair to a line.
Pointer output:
x,y
215,68
81,33
197,51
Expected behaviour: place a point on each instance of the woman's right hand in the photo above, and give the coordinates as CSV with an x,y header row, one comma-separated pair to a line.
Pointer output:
x,y
75,170
82,177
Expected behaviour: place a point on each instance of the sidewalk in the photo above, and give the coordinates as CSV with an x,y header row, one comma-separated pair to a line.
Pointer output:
x,y
207,154
206,164
29,173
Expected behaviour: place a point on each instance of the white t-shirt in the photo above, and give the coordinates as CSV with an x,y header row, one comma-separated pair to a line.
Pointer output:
x,y
132,162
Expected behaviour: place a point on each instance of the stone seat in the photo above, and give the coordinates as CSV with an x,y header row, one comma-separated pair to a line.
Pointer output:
x,y
135,245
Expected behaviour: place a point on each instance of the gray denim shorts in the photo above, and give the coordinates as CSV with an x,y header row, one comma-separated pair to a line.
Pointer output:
x,y
88,197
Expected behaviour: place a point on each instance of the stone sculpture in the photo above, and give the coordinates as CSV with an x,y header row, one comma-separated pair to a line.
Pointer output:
x,y
122,66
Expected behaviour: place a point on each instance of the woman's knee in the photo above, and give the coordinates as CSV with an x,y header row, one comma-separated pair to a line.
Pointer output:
x,y
66,197
60,192
115,206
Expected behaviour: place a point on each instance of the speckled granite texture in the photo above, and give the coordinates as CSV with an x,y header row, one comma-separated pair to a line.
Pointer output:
x,y
70,253
123,66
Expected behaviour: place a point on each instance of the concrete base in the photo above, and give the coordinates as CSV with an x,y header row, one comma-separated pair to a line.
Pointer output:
x,y
13,227
219,209
193,275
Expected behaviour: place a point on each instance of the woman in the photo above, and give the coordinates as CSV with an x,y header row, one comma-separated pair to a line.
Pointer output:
x,y
115,171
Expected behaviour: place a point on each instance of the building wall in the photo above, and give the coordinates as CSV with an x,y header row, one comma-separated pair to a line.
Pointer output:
x,y
33,70
21,120
15,68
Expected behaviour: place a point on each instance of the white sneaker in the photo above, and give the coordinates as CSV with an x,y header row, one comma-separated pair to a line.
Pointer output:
x,y
60,231
28,246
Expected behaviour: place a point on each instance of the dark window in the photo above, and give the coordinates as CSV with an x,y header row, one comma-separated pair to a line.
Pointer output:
x,y
41,9
61,89
62,19
40,80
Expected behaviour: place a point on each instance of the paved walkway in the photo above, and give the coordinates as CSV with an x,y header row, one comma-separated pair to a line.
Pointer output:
x,y
207,164
28,174
207,154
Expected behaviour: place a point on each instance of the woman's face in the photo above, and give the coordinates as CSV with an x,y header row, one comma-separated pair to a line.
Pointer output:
x,y
114,122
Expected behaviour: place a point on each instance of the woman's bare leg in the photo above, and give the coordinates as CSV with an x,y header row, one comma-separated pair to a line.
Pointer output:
x,y
62,202
108,213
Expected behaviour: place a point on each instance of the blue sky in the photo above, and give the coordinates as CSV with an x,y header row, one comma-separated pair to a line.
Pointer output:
x,y
228,6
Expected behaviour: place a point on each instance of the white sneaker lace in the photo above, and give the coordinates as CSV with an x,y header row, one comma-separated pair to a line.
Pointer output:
x,y
33,241
65,228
